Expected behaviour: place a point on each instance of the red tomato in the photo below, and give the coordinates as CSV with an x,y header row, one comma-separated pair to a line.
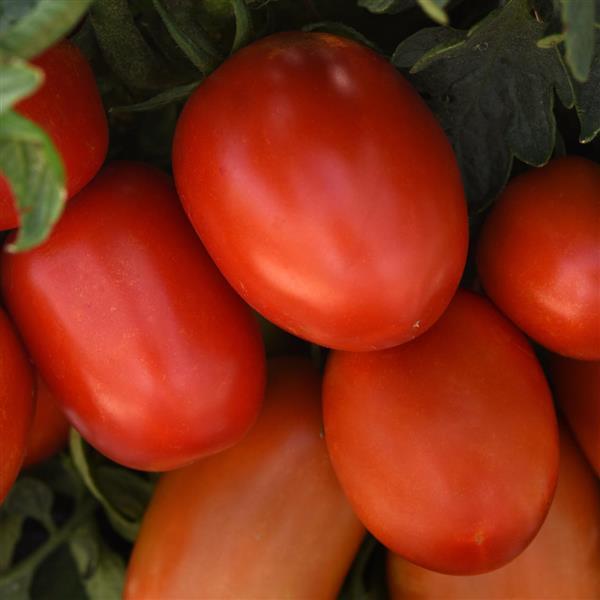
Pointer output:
x,y
50,428
16,404
539,255
265,519
68,107
446,446
151,355
562,562
577,389
325,190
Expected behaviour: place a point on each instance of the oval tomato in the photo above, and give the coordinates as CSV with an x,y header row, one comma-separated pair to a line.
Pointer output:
x,y
576,385
265,519
50,428
151,355
562,562
69,109
539,255
446,446
16,404
325,190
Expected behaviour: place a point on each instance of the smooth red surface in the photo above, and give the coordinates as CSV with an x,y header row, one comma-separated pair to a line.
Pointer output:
x,y
265,519
562,562
539,255
325,190
50,428
149,352
447,446
576,386
16,404
69,109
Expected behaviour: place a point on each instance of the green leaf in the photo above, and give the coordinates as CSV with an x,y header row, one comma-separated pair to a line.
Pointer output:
x,y
19,80
35,172
45,23
161,100
578,24
57,578
343,30
588,99
434,9
425,40
10,532
102,571
493,92
243,25
31,498
16,589
387,6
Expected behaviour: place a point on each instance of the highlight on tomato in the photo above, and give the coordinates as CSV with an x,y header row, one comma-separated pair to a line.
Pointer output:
x,y
539,255
16,404
305,165
69,109
446,446
562,562
264,519
150,354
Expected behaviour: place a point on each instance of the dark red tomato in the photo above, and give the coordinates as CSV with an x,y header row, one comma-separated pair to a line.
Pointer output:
x,y
447,446
562,562
68,107
16,404
265,519
576,385
325,190
539,255
151,355
50,428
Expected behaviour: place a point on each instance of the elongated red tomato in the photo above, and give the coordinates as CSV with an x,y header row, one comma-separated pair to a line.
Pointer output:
x,y
325,190
539,255
562,562
446,446
16,404
50,428
265,519
151,355
576,385
69,109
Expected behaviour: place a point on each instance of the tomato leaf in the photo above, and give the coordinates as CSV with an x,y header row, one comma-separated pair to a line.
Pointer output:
x,y
31,498
243,25
10,532
161,100
57,578
492,89
19,80
43,24
434,9
34,169
588,99
578,18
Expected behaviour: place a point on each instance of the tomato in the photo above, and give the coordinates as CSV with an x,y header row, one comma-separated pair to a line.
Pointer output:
x,y
576,387
265,519
539,255
68,107
562,562
50,428
16,404
325,190
446,446
151,355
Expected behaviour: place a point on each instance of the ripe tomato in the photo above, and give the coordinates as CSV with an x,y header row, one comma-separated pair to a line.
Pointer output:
x,y
50,428
539,255
265,519
325,190
446,446
562,562
576,387
16,404
150,353
68,107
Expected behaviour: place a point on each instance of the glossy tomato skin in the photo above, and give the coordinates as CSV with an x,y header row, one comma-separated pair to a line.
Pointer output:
x,y
576,386
50,428
539,255
325,190
446,446
264,519
562,562
16,404
151,355
69,109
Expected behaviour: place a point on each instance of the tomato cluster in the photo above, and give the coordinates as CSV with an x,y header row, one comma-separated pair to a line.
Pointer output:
x,y
313,184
